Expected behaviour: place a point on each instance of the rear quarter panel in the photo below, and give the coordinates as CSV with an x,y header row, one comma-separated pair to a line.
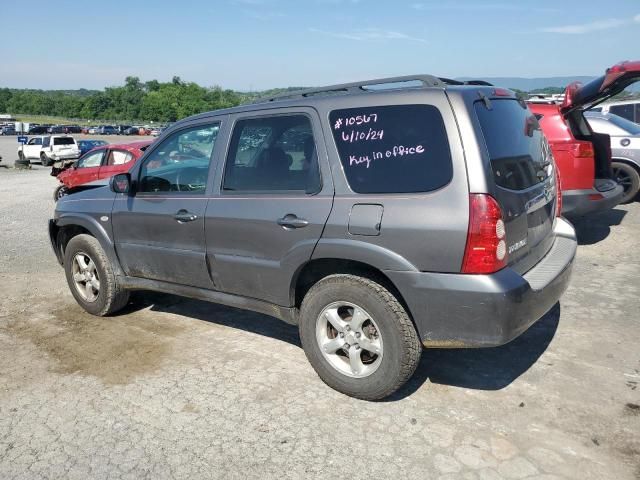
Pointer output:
x,y
418,231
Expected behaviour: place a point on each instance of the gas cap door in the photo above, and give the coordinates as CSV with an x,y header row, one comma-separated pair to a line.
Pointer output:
x,y
365,219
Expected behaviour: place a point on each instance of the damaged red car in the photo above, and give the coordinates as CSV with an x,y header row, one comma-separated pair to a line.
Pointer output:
x,y
101,162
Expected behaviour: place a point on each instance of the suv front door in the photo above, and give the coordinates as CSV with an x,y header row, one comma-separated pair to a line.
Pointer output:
x,y
159,228
275,197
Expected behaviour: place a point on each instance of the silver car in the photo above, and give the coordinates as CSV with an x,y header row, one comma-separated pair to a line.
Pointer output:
x,y
625,149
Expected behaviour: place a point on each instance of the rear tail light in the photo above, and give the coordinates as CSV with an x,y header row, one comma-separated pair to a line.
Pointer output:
x,y
486,249
595,196
583,150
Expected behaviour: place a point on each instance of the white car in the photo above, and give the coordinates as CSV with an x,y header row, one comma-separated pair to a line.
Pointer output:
x,y
625,150
50,149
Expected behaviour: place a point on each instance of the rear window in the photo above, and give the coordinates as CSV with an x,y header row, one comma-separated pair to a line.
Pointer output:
x,y
517,148
64,141
393,148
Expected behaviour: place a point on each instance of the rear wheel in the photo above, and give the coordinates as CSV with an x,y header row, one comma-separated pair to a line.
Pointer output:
x,y
91,278
358,337
629,178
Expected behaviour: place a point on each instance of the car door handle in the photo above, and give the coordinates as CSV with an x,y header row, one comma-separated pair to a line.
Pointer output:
x,y
183,216
291,221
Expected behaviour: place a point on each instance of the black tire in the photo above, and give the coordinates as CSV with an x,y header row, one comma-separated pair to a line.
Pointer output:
x,y
44,160
629,178
111,297
402,347
60,192
22,164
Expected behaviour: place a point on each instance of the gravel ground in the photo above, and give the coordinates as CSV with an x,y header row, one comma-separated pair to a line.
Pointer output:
x,y
176,388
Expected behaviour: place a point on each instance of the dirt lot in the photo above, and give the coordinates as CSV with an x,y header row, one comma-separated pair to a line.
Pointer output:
x,y
176,388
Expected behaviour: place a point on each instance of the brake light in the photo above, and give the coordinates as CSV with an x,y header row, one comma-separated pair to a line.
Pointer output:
x,y
558,193
502,92
486,249
583,150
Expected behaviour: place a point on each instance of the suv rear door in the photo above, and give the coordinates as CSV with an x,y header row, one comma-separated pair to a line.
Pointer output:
x,y
275,198
524,177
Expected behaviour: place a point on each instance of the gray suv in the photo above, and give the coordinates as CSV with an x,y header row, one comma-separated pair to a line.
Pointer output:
x,y
379,217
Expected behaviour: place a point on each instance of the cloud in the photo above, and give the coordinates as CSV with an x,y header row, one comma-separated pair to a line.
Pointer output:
x,y
598,25
369,34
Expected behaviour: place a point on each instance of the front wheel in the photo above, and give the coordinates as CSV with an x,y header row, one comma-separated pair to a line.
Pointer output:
x,y
358,337
60,192
629,178
90,277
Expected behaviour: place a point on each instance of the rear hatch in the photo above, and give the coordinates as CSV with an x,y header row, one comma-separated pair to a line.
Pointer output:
x,y
524,178
579,97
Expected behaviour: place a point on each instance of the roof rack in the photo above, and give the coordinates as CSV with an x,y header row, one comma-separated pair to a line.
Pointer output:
x,y
427,81
450,81
368,85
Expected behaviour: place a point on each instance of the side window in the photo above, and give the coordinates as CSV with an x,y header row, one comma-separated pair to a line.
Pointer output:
x,y
392,148
180,163
118,157
91,160
272,154
45,142
637,119
625,111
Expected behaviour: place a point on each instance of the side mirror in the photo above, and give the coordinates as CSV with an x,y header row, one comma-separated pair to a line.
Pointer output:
x,y
120,183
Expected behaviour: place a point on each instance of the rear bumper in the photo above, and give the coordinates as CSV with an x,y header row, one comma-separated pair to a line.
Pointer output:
x,y
65,156
457,310
576,203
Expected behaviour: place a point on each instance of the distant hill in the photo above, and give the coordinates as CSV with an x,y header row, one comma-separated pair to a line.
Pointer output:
x,y
529,84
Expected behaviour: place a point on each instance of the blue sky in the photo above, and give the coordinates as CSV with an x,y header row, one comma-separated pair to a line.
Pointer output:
x,y
258,44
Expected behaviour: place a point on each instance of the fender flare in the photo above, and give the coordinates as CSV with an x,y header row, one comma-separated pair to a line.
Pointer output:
x,y
98,231
363,252
631,161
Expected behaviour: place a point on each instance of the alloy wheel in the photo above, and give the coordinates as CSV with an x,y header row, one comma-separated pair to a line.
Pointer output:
x,y
85,277
349,339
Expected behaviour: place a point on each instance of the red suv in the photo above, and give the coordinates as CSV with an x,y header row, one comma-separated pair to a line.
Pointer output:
x,y
101,162
583,156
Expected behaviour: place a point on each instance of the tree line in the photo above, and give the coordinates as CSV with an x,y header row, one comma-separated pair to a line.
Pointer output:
x,y
134,101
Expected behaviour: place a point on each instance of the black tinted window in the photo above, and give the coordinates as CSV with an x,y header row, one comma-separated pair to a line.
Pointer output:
x,y
272,153
518,150
392,149
625,111
63,141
